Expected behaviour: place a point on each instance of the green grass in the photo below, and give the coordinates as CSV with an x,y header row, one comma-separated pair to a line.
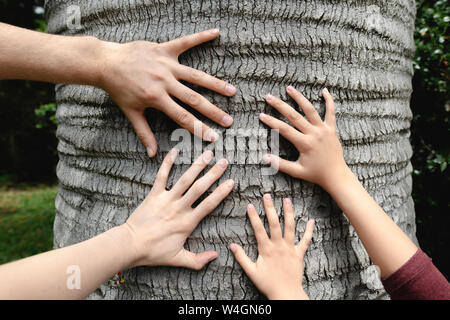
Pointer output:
x,y
26,220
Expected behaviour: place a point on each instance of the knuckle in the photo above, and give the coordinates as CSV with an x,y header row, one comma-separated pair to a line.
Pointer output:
x,y
291,114
141,136
193,99
151,95
159,49
197,75
197,188
182,118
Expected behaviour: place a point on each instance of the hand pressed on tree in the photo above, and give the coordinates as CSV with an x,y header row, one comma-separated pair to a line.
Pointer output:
x,y
321,159
163,221
278,271
142,74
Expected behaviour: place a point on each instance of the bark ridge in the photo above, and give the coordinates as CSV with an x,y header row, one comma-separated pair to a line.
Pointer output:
x,y
360,50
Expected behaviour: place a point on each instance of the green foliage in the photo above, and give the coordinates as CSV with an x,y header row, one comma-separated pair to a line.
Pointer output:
x,y
46,117
26,221
41,25
432,58
431,100
430,104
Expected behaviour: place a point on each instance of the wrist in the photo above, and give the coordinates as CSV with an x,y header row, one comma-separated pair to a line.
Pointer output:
x,y
123,239
337,179
104,63
90,50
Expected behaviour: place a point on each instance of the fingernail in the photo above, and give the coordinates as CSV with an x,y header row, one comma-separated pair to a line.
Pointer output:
x,y
223,163
232,247
250,206
269,97
207,156
230,183
325,90
229,89
262,116
150,152
267,196
211,135
227,120
266,158
287,201
290,88
214,31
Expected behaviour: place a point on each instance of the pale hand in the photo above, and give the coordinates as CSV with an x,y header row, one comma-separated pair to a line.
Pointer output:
x,y
321,159
278,271
162,223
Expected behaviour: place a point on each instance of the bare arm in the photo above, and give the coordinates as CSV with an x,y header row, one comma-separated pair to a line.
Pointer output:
x,y
321,161
137,75
154,235
32,55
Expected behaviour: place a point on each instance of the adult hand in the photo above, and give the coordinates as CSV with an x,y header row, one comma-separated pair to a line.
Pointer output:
x,y
162,223
143,74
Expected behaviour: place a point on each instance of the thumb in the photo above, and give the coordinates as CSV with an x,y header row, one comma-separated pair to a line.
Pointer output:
x,y
242,258
194,261
143,132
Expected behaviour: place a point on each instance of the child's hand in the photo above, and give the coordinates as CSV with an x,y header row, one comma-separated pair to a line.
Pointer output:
x,y
278,271
321,160
164,220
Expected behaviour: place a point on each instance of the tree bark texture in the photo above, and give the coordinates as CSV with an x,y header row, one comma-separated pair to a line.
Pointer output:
x,y
360,50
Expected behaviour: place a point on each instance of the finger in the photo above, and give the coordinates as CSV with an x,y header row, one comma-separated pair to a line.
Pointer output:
x,y
257,225
302,246
286,110
200,103
205,80
306,106
191,174
272,217
143,132
291,134
180,45
292,168
213,200
164,170
186,120
289,228
330,114
192,260
201,185
241,257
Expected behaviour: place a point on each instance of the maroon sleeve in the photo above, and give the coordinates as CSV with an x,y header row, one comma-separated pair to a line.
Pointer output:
x,y
417,279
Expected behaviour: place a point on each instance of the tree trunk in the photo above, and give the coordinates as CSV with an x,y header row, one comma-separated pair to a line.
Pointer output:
x,y
361,50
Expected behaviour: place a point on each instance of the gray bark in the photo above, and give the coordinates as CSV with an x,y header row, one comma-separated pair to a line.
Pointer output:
x,y
361,50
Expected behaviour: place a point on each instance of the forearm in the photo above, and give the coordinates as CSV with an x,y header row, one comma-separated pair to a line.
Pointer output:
x,y
387,245
31,55
49,276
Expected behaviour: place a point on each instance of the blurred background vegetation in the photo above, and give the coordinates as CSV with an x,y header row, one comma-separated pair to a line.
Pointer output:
x,y
28,143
